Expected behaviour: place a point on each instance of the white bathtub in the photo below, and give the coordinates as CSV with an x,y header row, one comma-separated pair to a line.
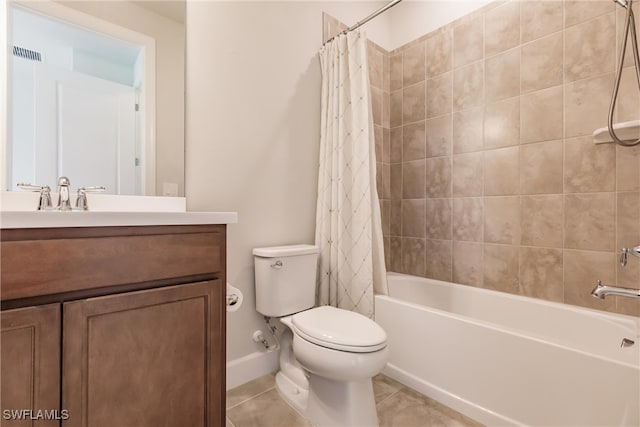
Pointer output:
x,y
505,359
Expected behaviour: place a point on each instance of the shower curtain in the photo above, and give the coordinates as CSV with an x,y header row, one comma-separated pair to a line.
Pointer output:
x,y
348,225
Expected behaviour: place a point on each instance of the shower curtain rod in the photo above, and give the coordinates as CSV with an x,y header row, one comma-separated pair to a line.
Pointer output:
x,y
367,19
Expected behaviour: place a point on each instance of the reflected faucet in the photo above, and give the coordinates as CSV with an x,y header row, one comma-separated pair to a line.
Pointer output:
x,y
601,291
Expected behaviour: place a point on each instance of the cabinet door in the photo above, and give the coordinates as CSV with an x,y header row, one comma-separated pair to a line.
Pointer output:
x,y
30,366
148,358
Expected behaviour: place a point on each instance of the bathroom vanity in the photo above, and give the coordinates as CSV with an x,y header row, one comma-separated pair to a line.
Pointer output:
x,y
118,324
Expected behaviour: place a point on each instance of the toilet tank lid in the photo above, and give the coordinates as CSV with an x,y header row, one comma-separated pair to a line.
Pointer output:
x,y
290,250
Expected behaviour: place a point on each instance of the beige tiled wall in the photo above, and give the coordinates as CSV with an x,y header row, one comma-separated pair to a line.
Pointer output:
x,y
489,176
379,76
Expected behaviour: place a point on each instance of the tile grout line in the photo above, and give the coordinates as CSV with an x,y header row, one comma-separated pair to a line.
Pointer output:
x,y
251,398
388,397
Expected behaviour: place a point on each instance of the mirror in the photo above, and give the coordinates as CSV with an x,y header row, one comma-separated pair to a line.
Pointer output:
x,y
96,93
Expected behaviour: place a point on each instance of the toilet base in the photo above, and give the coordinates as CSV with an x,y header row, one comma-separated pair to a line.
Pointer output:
x,y
296,396
325,401
337,403
291,380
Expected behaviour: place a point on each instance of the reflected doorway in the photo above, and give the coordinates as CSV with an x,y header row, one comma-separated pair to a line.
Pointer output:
x,y
76,108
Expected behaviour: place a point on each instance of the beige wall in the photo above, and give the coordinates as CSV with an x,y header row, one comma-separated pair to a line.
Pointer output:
x,y
253,129
412,19
494,179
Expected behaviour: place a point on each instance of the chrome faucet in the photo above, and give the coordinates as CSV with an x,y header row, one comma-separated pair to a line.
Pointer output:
x,y
63,194
601,291
64,202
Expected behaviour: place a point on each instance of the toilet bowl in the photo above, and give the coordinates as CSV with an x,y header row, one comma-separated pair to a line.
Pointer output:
x,y
338,344
338,352
328,355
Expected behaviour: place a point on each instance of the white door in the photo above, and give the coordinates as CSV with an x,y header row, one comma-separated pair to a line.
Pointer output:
x,y
85,130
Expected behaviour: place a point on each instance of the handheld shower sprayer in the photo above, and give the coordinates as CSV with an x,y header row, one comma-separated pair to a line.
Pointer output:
x,y
629,27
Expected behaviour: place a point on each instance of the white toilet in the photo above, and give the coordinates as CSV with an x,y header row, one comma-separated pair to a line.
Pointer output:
x,y
328,355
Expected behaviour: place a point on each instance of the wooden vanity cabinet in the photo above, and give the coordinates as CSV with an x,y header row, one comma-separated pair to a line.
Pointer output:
x,y
30,362
137,339
143,358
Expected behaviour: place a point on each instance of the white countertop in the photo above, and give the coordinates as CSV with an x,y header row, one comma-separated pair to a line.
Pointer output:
x,y
39,219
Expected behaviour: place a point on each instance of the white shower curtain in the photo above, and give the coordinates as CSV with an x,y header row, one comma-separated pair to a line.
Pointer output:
x,y
348,225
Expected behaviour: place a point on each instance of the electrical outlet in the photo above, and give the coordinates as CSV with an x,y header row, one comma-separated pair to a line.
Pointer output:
x,y
169,189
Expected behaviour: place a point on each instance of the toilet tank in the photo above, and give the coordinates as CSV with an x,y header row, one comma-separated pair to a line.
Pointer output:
x,y
285,279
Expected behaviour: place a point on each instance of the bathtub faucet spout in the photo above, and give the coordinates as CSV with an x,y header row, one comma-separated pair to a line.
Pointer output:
x,y
601,291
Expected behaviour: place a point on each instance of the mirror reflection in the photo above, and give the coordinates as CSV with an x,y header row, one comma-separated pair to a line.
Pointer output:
x,y
96,101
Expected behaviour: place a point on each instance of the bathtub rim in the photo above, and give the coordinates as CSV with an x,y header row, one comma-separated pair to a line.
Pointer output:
x,y
515,331
522,298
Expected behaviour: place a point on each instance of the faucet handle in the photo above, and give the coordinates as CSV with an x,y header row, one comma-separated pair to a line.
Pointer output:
x,y
45,194
81,200
625,253
31,187
94,189
623,257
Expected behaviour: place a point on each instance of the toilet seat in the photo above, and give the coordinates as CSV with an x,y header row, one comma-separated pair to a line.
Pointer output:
x,y
339,329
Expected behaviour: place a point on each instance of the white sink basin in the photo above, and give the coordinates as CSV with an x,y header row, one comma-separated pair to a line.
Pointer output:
x,y
18,210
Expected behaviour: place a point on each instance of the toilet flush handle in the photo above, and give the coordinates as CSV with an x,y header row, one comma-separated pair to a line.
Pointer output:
x,y
626,342
278,264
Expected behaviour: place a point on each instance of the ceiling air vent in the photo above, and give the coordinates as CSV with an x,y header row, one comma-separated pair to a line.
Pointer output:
x,y
27,54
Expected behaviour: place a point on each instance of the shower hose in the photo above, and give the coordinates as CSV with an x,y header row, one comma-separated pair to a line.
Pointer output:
x,y
629,27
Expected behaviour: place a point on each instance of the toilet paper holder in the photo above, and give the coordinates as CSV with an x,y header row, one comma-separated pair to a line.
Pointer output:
x,y
234,298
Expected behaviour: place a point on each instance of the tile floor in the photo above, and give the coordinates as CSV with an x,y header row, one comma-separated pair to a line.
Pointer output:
x,y
257,404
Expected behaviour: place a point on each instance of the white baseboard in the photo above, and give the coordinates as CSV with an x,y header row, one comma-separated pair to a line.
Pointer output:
x,y
250,367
